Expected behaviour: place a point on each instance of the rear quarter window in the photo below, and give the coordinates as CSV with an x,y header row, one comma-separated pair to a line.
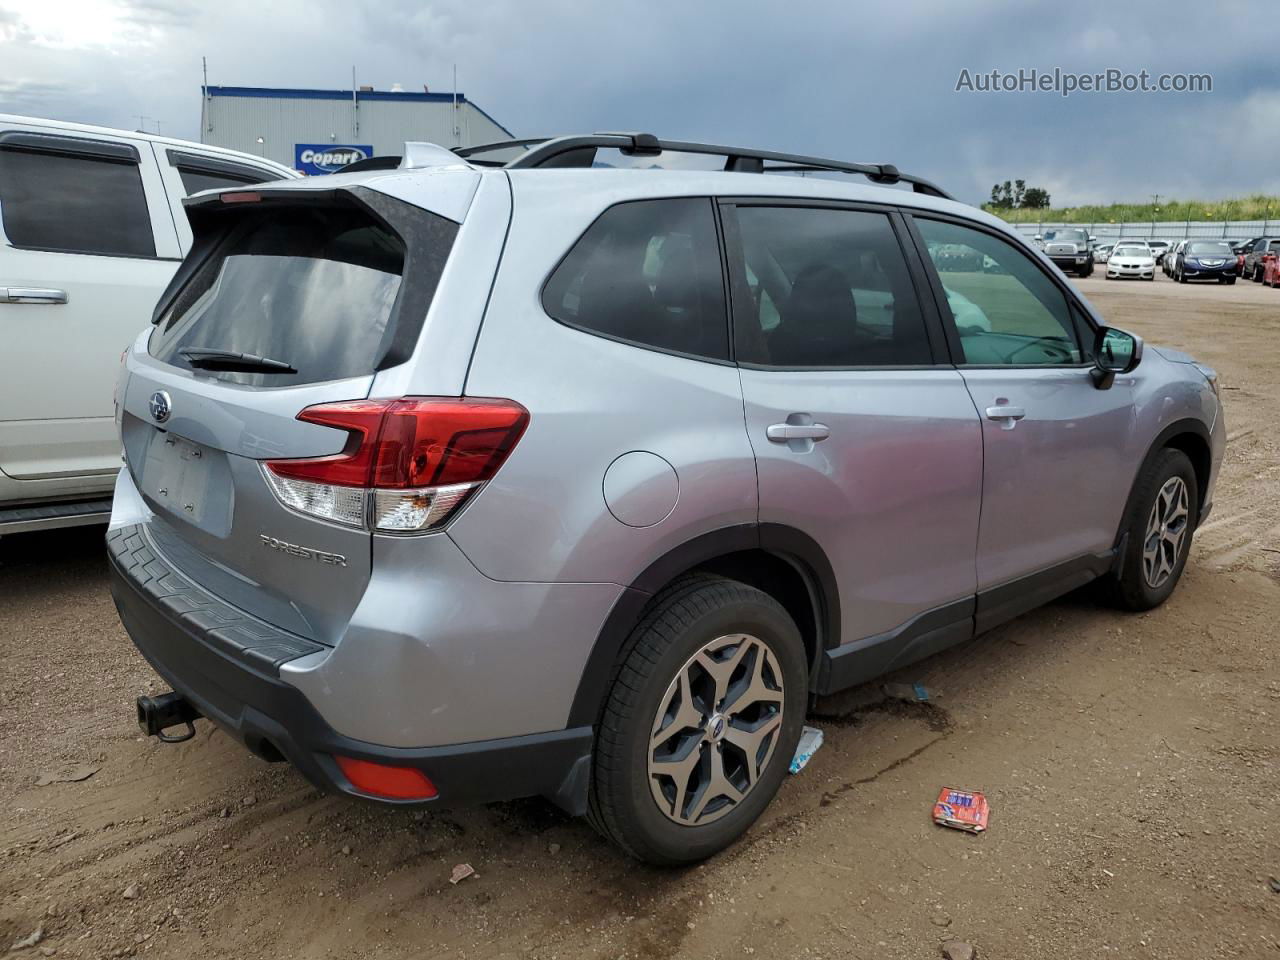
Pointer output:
x,y
647,272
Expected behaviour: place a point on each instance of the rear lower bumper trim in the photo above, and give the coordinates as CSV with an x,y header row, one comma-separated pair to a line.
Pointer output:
x,y
276,721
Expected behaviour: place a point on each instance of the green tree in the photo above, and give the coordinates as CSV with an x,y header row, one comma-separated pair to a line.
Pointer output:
x,y
1035,199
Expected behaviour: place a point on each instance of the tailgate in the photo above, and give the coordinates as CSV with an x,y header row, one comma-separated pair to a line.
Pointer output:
x,y
283,305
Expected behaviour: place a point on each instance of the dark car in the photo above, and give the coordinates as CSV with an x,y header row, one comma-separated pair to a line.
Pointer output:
x,y
1071,248
1253,258
1205,260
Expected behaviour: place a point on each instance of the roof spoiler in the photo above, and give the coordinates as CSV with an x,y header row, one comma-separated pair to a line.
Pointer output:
x,y
580,151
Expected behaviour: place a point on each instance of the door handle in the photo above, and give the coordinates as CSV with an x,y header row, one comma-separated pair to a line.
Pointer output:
x,y
32,295
782,432
1004,414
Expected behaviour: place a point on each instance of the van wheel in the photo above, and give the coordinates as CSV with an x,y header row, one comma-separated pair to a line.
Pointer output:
x,y
701,722
1159,522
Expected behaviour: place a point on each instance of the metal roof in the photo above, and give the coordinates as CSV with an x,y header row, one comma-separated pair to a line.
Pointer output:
x,y
290,93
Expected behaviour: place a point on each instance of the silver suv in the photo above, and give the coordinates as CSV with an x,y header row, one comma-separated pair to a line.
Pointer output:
x,y
473,480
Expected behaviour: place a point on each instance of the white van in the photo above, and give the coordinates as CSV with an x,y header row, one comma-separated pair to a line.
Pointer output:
x,y
91,230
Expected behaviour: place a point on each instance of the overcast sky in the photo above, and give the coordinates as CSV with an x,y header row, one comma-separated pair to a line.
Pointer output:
x,y
835,78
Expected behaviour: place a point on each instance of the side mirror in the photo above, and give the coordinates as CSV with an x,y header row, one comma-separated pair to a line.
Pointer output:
x,y
1037,237
1092,238
1114,351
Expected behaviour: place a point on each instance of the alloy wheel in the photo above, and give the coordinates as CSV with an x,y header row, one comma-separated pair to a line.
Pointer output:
x,y
715,729
1167,529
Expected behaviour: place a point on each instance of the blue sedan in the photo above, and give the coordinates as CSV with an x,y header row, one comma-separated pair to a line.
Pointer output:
x,y
1206,260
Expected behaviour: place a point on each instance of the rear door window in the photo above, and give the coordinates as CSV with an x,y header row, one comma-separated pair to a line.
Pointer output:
x,y
647,272
73,202
199,172
315,287
193,181
826,288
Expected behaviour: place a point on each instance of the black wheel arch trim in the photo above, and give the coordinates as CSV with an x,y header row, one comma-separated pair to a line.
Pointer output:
x,y
798,549
1176,429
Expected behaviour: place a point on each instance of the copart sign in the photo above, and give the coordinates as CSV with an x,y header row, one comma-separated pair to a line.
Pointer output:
x,y
315,158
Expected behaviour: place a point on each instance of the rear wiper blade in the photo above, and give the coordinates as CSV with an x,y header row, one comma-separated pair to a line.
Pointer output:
x,y
211,358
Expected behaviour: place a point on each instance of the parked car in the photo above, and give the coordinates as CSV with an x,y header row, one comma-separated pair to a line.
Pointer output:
x,y
529,510
1254,259
91,230
1205,260
1271,271
1071,248
1158,249
1101,252
1244,246
1131,260
1170,258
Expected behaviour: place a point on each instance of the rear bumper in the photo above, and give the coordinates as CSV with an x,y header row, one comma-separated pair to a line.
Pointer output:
x,y
237,686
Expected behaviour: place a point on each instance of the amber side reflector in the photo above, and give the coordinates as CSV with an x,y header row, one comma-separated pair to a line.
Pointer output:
x,y
383,780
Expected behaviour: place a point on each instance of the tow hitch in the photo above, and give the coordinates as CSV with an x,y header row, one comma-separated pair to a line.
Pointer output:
x,y
156,714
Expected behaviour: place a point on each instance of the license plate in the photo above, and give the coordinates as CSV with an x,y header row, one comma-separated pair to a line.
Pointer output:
x,y
176,475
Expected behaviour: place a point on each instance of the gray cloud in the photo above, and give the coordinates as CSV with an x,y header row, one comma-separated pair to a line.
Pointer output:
x,y
816,77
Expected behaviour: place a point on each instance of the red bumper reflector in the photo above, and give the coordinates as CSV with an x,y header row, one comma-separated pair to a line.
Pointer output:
x,y
383,780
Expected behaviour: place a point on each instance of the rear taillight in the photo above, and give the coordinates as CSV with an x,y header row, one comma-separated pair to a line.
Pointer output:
x,y
408,466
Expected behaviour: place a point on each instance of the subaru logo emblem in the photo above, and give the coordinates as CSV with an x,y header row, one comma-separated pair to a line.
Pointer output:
x,y
161,406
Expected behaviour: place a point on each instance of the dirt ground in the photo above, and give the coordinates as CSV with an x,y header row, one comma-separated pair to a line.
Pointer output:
x,y
1131,763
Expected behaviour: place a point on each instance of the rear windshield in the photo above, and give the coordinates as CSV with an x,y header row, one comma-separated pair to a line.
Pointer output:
x,y
311,287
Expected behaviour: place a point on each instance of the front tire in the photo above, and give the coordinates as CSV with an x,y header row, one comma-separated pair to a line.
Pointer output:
x,y
1159,523
701,722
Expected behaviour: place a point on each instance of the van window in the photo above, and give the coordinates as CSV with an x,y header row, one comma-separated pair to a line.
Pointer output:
x,y
74,203
647,272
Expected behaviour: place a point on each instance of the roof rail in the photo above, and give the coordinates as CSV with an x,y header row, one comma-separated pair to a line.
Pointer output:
x,y
580,151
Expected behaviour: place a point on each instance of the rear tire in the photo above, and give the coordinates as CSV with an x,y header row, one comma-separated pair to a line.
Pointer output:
x,y
667,709
1159,523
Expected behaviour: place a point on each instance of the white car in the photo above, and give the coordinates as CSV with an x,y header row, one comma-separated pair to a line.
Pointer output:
x,y
91,231
1131,260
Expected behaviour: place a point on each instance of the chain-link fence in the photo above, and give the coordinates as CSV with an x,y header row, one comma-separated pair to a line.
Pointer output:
x,y
1107,232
